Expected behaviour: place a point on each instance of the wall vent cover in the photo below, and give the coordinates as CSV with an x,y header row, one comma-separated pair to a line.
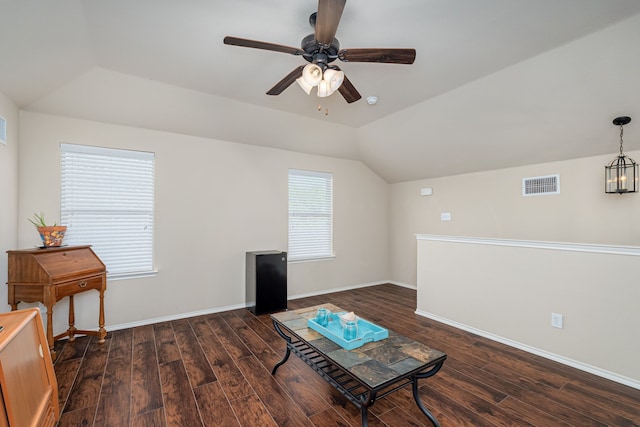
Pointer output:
x,y
3,130
541,185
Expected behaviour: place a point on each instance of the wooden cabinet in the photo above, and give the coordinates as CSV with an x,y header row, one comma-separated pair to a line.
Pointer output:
x,y
28,386
48,275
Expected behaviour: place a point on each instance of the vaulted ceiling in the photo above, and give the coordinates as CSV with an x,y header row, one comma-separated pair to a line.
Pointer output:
x,y
496,83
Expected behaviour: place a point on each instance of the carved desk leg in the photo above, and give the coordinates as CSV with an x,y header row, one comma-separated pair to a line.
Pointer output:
x,y
48,302
72,320
11,297
50,338
102,332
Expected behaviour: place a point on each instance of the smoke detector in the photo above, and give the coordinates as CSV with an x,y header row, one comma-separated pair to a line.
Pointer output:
x,y
372,100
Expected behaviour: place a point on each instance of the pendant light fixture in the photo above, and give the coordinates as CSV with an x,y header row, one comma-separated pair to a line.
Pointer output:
x,y
621,175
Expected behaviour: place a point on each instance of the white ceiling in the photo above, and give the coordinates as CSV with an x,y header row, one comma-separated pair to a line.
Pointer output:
x,y
49,46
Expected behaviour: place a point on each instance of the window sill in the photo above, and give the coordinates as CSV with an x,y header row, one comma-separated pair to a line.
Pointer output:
x,y
299,260
125,276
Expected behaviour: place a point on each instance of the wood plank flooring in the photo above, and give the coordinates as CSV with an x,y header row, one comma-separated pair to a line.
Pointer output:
x,y
214,370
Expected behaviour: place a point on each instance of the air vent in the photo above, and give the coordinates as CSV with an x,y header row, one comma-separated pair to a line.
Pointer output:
x,y
3,130
541,185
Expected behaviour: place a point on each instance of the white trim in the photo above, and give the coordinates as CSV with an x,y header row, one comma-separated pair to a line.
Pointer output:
x,y
560,246
174,317
311,259
332,290
126,276
236,307
403,285
350,287
552,356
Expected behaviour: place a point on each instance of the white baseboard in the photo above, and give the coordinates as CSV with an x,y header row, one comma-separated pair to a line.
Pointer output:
x,y
552,356
237,306
174,317
332,290
404,285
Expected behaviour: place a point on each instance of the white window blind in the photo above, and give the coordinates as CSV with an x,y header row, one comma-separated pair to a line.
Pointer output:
x,y
107,200
310,215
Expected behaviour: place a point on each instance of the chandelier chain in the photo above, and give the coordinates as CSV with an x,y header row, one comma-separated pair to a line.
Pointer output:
x,y
621,133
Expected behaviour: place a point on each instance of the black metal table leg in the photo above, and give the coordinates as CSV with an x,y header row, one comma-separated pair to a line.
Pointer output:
x,y
416,393
288,352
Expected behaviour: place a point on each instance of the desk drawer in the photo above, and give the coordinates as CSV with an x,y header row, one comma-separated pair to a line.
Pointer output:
x,y
76,286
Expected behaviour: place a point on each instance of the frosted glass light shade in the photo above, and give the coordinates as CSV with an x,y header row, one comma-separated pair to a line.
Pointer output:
x,y
312,74
323,89
304,85
334,78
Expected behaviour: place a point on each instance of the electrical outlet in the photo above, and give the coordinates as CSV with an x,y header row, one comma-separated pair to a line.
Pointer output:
x,y
556,320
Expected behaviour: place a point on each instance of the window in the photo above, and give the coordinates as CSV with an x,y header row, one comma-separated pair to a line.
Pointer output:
x,y
310,215
107,202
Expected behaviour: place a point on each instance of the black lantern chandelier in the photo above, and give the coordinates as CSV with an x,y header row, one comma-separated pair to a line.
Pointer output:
x,y
621,175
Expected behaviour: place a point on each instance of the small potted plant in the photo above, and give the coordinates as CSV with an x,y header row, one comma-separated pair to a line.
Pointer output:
x,y
51,235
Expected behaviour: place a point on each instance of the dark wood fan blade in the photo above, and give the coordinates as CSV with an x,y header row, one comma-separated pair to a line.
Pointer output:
x,y
286,82
327,20
235,41
348,91
390,56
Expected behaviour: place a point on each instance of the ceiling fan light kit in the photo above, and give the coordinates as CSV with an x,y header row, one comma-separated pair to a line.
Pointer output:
x,y
320,49
327,82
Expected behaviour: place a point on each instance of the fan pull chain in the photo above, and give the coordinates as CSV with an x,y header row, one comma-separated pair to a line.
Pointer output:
x,y
326,110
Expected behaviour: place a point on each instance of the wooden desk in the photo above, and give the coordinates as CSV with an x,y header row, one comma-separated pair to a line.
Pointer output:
x,y
365,374
48,275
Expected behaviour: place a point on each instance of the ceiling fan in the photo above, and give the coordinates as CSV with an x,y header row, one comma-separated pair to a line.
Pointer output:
x,y
320,49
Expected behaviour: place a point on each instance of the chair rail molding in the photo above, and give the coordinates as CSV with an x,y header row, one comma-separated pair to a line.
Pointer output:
x,y
535,244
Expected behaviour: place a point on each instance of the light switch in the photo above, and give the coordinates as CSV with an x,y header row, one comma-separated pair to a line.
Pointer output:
x,y
445,216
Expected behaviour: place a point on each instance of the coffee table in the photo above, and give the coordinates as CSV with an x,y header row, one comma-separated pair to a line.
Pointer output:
x,y
365,374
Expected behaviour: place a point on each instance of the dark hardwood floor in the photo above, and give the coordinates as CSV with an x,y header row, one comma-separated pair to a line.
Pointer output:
x,y
214,370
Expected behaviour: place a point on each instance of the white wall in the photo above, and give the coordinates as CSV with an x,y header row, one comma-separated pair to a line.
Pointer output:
x,y
215,200
8,191
509,289
490,204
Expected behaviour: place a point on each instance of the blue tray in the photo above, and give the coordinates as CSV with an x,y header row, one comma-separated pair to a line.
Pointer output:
x,y
367,331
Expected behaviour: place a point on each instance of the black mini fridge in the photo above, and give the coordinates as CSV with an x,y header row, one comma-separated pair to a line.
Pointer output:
x,y
266,281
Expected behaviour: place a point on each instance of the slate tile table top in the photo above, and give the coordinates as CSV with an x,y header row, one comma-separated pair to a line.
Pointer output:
x,y
363,374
